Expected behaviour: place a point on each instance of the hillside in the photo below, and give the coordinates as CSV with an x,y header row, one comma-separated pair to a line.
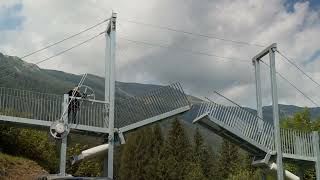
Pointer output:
x,y
13,168
31,77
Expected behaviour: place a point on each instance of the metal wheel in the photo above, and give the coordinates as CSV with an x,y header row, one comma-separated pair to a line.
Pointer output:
x,y
87,92
59,130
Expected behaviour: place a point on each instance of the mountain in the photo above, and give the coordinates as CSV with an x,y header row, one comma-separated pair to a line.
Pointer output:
x,y
16,73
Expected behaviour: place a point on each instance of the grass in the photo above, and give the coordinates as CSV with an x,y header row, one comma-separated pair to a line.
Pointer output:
x,y
15,168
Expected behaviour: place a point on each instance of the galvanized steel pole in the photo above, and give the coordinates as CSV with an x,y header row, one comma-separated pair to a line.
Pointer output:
x,y
63,148
316,150
110,90
275,108
256,63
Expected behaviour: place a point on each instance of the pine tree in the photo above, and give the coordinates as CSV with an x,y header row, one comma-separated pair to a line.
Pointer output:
x,y
140,155
228,160
130,167
156,142
204,156
196,173
175,162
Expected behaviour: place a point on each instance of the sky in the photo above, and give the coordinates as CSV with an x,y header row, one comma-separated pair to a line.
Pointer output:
x,y
26,25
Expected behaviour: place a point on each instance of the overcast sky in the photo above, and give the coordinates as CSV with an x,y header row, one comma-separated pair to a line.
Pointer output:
x,y
294,24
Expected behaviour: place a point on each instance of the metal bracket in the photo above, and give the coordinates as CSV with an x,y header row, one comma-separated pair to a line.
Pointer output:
x,y
258,162
264,52
110,137
120,137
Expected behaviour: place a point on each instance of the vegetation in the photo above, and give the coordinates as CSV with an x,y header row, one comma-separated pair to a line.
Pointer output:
x,y
42,148
150,153
13,168
302,121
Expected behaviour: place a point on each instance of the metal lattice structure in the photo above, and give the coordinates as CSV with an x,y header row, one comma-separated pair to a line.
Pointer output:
x,y
297,145
159,104
241,123
42,109
253,133
244,128
111,116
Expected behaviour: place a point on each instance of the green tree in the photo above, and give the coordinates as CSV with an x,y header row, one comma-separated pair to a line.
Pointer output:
x,y
156,143
245,175
204,156
32,144
175,162
140,155
196,173
228,163
300,121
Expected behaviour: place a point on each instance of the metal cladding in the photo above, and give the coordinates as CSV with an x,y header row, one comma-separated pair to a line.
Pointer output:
x,y
295,144
160,101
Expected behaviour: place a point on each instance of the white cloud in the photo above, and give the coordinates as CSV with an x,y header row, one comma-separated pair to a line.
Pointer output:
x,y
256,21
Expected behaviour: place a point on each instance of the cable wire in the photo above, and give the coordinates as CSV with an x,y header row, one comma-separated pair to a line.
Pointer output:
x,y
67,38
58,54
185,50
300,69
194,34
60,41
295,87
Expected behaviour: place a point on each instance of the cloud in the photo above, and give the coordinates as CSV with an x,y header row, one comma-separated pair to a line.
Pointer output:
x,y
256,21
9,16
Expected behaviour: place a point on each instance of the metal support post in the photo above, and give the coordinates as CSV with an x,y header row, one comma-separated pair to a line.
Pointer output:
x,y
256,63
63,148
110,91
263,175
316,151
275,108
300,171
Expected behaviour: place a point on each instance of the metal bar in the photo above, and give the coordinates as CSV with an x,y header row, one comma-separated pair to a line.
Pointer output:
x,y
275,108
258,93
154,119
112,35
316,150
63,148
264,52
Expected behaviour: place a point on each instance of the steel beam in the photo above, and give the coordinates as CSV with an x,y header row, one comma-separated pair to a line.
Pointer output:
x,y
264,52
258,93
275,110
316,151
28,121
153,119
110,91
63,148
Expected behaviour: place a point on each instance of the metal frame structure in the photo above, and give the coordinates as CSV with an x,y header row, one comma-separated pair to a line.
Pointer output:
x,y
274,92
103,117
242,127
257,136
